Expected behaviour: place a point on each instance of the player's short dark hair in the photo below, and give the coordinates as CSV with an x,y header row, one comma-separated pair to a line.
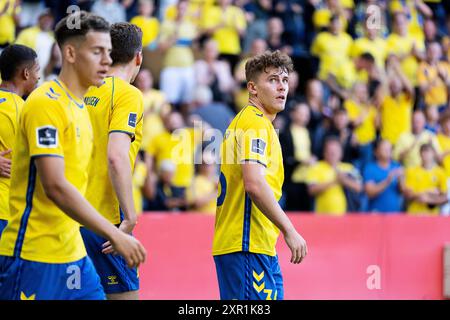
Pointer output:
x,y
126,40
260,63
78,24
13,58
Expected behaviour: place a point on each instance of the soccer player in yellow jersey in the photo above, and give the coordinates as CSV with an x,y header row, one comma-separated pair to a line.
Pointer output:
x,y
42,255
19,70
116,112
248,216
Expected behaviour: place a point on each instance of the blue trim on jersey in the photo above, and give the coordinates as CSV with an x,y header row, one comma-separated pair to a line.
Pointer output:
x,y
47,155
121,214
247,217
5,90
28,208
132,137
223,189
69,96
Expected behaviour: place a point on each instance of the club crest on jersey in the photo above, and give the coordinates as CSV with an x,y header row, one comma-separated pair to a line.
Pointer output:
x,y
258,146
132,117
47,137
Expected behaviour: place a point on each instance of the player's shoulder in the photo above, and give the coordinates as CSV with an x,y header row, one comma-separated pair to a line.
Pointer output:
x,y
251,118
47,94
123,87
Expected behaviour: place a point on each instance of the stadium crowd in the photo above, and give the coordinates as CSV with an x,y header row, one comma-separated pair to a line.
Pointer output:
x,y
367,122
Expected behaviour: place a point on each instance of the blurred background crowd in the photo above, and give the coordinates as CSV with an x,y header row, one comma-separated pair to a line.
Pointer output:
x,y
367,123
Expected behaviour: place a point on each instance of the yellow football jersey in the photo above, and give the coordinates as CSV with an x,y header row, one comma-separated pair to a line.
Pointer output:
x,y
115,106
419,179
10,107
240,224
53,123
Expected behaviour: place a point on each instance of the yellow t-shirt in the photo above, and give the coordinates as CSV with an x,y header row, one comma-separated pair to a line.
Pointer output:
x,y
366,132
376,47
155,105
332,51
139,176
396,116
427,74
202,186
7,24
240,225
115,106
444,144
302,151
227,37
402,46
149,27
180,54
10,107
332,201
179,147
419,179
406,140
53,123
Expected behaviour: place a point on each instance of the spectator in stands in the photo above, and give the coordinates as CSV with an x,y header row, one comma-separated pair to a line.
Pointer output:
x,y
30,11
177,144
216,114
339,129
40,38
330,180
425,184
297,158
177,79
430,32
314,98
396,103
364,120
433,77
9,18
432,119
275,39
257,13
156,107
202,194
148,24
383,181
405,46
214,73
443,138
163,196
226,24
332,47
407,148
54,65
111,10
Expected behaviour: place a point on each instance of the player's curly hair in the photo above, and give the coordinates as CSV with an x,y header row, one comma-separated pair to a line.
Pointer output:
x,y
260,63
126,40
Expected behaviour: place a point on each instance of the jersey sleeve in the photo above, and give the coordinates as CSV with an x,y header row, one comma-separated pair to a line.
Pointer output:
x,y
127,112
253,140
44,124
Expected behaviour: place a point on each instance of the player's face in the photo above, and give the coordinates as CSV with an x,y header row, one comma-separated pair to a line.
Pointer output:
x,y
33,78
93,59
272,89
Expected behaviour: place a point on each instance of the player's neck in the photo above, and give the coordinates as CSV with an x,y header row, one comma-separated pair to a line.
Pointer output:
x,y
73,83
123,72
11,87
256,103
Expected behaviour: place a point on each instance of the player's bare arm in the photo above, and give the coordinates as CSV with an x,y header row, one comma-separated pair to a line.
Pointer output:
x,y
261,194
69,200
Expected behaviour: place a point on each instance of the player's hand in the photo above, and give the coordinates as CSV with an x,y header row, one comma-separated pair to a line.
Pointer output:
x,y
129,248
297,245
5,164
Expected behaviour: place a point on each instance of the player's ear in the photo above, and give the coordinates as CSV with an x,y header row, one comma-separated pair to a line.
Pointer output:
x,y
25,73
251,87
139,59
69,53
